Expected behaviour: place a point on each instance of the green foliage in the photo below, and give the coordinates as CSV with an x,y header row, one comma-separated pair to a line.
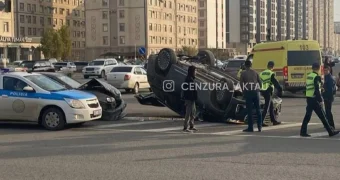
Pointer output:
x,y
189,50
56,43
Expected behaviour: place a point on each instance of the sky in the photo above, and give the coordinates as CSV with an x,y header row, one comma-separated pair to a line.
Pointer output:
x,y
336,10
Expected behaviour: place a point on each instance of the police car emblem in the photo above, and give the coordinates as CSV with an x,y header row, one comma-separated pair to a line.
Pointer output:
x,y
18,106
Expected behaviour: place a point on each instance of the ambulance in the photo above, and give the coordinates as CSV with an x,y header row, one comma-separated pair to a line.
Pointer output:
x,y
36,98
293,61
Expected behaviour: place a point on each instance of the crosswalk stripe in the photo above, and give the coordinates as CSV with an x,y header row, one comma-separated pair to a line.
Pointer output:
x,y
264,129
313,135
180,127
128,124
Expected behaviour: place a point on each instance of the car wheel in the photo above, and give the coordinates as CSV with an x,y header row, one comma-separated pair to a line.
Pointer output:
x,y
136,88
53,119
86,77
102,74
166,57
207,57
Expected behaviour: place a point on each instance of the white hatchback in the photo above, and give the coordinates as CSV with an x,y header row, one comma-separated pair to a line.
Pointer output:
x,y
128,77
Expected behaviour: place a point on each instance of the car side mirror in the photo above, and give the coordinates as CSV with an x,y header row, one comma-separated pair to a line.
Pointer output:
x,y
28,89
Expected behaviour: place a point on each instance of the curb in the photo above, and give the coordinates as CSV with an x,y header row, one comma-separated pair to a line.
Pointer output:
x,y
150,119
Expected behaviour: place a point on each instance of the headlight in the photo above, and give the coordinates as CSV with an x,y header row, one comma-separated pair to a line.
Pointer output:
x,y
75,103
110,99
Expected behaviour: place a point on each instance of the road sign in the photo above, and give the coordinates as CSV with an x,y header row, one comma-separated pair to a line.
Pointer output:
x,y
142,50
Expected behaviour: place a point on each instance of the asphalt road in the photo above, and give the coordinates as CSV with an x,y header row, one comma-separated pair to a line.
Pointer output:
x,y
158,149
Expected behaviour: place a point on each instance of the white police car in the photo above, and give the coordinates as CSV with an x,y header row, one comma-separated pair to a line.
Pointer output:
x,y
35,97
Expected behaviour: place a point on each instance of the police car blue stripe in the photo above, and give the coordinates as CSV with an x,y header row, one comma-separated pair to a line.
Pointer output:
x,y
71,94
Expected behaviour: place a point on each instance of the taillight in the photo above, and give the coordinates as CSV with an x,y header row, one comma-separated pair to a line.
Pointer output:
x,y
285,72
127,77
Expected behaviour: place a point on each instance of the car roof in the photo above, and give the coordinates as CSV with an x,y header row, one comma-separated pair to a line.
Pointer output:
x,y
22,74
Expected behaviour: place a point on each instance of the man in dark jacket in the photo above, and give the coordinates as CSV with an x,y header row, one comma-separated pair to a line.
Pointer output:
x,y
328,62
328,95
190,96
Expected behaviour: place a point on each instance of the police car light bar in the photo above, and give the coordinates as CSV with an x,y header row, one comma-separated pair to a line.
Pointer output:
x,y
6,70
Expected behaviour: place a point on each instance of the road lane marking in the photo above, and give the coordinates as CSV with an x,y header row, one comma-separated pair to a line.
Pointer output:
x,y
126,124
319,134
282,126
178,128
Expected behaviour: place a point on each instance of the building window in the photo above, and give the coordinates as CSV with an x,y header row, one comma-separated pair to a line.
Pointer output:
x,y
121,3
29,8
22,7
55,21
6,27
22,31
201,3
68,22
29,20
34,31
29,31
122,39
105,40
61,22
121,27
68,12
105,27
150,26
105,15
34,18
121,13
201,13
22,19
104,3
49,21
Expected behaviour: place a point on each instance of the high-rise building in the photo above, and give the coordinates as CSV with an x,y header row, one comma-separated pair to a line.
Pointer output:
x,y
124,26
33,17
212,18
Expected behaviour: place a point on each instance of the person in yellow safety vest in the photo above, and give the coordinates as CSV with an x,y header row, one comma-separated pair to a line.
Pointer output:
x,y
269,82
315,102
242,68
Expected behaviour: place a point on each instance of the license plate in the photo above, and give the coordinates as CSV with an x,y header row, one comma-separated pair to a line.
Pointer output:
x,y
97,112
297,76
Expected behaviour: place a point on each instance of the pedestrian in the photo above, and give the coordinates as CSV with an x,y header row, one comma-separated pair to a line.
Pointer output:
x,y
190,96
251,85
242,68
315,102
269,82
328,62
329,87
338,81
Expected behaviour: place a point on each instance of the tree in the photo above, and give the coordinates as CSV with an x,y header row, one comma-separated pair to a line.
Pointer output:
x,y
56,43
64,33
189,50
47,44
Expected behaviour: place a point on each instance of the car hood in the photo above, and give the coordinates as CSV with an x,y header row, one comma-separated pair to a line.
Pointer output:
x,y
93,66
101,86
74,94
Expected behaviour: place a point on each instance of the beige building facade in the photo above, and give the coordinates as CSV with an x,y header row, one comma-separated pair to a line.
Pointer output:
x,y
32,17
212,26
124,26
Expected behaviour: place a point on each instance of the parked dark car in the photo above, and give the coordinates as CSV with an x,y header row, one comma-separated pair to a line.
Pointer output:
x,y
109,97
80,65
37,66
233,66
212,105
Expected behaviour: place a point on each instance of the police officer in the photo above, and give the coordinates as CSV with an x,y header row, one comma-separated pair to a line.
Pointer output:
x,y
328,95
242,68
315,102
269,82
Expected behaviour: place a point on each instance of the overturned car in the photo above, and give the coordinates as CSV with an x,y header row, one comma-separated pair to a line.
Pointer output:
x,y
109,97
166,72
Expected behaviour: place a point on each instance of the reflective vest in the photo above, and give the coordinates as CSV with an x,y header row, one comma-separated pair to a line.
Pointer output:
x,y
310,88
239,73
265,77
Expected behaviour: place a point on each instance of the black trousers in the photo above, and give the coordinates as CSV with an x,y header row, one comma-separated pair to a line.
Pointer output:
x,y
268,105
328,109
313,105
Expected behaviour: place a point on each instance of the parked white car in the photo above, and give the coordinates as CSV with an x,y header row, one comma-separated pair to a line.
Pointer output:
x,y
128,77
70,66
99,67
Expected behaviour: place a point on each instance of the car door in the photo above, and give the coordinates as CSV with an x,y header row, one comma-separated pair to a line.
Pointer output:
x,y
20,105
139,77
145,79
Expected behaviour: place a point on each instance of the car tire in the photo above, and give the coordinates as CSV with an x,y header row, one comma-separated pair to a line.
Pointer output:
x,y
86,77
53,119
207,57
166,57
136,89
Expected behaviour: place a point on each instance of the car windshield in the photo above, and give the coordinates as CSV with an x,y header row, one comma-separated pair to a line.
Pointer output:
x,y
122,69
96,63
27,64
303,58
61,64
45,83
71,82
235,64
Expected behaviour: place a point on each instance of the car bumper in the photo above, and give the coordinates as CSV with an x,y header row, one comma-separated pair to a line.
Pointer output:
x,y
82,115
116,114
92,73
122,84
